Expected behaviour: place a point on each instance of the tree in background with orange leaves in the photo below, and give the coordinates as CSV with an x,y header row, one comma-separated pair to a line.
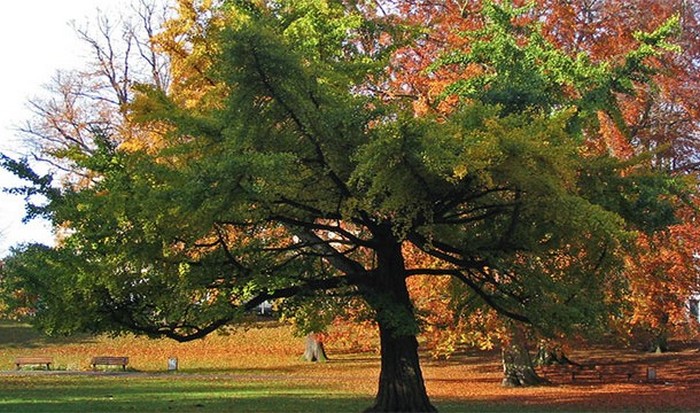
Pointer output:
x,y
659,118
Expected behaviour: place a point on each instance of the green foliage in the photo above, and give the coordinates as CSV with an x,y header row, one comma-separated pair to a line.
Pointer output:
x,y
39,185
37,281
523,71
302,178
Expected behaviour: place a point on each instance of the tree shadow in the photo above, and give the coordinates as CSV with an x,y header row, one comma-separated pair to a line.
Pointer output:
x,y
161,395
630,398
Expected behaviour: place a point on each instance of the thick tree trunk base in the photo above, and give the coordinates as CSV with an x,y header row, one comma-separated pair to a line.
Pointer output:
x,y
401,385
524,378
518,370
314,351
383,407
396,396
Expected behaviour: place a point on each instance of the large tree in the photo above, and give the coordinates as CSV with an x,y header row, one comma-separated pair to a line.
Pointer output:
x,y
284,161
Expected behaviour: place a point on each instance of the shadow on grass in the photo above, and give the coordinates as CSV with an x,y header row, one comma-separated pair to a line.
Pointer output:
x,y
276,403
13,334
349,366
648,399
215,394
72,394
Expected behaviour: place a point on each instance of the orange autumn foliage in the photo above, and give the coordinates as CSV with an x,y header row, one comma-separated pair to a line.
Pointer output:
x,y
662,119
268,352
662,278
666,114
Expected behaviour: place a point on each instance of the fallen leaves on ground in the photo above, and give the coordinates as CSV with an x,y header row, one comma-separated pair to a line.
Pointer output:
x,y
272,352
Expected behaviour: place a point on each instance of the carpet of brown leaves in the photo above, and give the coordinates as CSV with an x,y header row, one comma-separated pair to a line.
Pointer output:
x,y
477,377
676,387
273,353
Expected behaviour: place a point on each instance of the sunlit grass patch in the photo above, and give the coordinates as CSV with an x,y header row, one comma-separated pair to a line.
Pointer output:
x,y
61,393
266,346
259,370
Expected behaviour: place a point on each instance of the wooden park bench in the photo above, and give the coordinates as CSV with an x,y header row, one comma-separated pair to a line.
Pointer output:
x,y
36,361
612,371
561,370
109,361
627,372
574,373
602,373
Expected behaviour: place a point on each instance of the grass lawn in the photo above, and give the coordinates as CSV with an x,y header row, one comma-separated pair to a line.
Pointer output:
x,y
259,370
131,392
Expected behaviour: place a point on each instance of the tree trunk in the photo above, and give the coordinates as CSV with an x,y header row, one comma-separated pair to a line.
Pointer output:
x,y
659,344
401,385
314,349
548,355
518,370
660,340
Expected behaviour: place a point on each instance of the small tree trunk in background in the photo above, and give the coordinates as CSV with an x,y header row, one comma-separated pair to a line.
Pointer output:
x,y
314,349
518,370
659,344
660,340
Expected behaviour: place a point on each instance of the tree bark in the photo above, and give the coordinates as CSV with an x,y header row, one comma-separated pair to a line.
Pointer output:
x,y
659,344
314,350
518,370
548,355
401,385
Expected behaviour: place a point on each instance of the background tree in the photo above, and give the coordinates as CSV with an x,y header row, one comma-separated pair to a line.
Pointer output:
x,y
662,279
297,168
661,117
93,101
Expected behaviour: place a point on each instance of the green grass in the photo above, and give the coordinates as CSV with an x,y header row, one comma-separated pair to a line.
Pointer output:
x,y
35,393
259,370
44,393
208,383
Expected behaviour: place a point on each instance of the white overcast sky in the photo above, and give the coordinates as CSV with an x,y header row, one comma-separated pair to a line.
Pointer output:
x,y
36,40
